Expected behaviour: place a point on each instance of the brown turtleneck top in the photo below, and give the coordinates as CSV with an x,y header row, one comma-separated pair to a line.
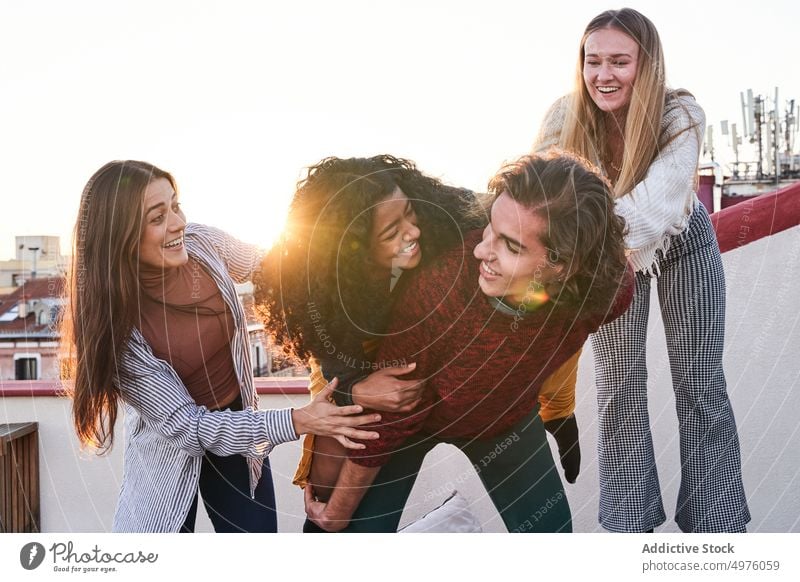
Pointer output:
x,y
188,325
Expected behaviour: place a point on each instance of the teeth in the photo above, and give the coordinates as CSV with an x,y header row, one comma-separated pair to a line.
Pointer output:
x,y
410,247
607,89
488,270
174,243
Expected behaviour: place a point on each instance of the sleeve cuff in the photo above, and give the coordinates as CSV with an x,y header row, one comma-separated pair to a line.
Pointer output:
x,y
279,426
343,394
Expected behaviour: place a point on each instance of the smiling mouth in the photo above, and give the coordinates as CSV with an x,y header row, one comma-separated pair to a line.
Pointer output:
x,y
607,90
410,249
173,244
485,268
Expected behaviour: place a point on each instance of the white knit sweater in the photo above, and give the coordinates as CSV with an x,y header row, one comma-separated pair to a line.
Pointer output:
x,y
659,206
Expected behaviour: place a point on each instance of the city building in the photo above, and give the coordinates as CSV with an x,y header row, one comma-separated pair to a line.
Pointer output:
x,y
35,257
28,334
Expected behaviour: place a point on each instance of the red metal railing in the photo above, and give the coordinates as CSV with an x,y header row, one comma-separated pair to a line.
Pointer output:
x,y
268,385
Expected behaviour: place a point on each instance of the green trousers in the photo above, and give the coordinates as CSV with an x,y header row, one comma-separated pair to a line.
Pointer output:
x,y
516,468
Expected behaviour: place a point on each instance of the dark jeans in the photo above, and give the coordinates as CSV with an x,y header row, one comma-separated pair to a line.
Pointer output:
x,y
225,487
516,468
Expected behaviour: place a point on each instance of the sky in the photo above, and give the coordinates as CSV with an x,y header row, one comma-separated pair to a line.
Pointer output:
x,y
235,98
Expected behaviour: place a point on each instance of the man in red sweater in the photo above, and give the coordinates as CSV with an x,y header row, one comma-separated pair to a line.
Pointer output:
x,y
486,325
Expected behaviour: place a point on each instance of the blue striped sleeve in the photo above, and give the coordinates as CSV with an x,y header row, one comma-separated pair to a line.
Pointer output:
x,y
241,260
156,392
279,425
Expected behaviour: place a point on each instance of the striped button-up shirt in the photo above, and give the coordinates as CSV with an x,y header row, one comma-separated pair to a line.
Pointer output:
x,y
167,433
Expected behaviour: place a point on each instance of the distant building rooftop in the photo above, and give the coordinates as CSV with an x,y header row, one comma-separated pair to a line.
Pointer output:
x,y
31,310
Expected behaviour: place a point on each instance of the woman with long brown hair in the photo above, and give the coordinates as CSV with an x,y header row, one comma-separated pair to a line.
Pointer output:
x,y
646,137
154,321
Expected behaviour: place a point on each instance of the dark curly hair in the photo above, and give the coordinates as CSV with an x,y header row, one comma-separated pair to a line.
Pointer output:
x,y
318,292
584,233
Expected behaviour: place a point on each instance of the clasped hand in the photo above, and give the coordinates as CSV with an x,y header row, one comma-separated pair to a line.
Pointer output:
x,y
384,390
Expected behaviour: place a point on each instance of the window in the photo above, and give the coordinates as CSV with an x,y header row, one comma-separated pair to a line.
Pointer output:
x,y
257,360
26,366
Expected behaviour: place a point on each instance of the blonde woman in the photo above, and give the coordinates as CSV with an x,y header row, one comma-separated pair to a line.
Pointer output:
x,y
646,138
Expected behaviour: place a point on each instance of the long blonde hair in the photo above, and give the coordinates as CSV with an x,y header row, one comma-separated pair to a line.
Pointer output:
x,y
584,130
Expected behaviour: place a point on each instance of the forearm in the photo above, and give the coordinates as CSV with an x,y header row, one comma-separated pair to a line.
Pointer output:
x,y
353,482
344,395
347,371
195,430
647,222
242,260
252,433
658,204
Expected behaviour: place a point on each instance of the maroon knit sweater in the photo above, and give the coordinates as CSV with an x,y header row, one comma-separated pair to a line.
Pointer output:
x,y
483,367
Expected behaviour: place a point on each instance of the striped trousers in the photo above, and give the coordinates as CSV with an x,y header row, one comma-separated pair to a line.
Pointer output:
x,y
691,293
